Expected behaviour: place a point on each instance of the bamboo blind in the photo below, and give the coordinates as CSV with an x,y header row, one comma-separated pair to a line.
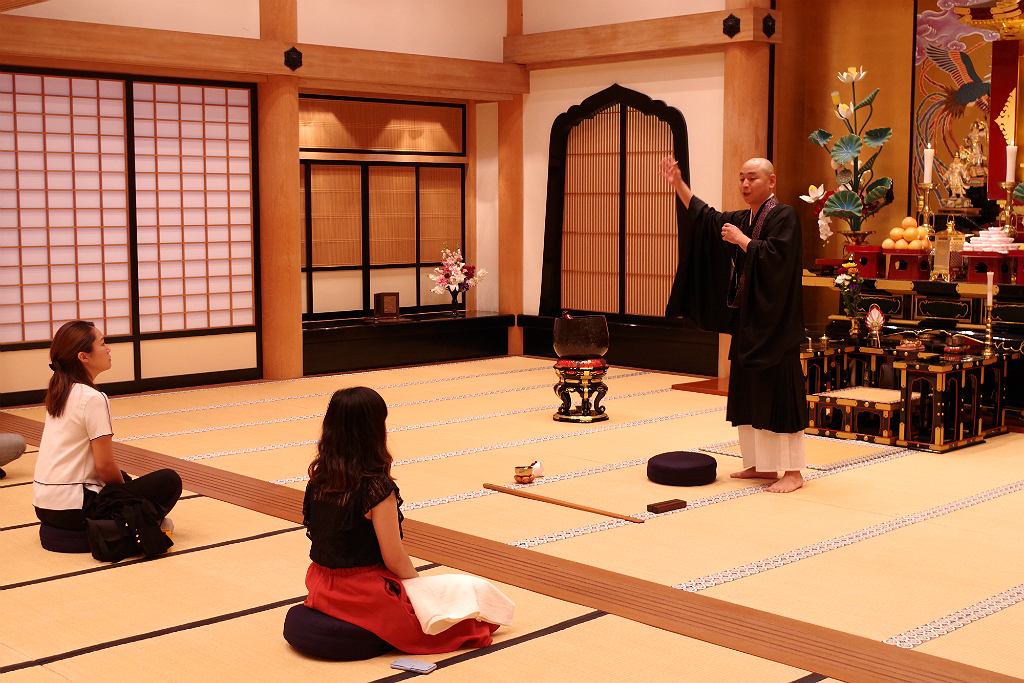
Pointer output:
x,y
379,126
652,251
440,211
590,227
336,215
392,192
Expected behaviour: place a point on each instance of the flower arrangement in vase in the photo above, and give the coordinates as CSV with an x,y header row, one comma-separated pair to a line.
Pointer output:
x,y
859,194
850,284
454,276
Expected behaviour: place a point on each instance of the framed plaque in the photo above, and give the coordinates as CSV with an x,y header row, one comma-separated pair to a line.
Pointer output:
x,y
385,305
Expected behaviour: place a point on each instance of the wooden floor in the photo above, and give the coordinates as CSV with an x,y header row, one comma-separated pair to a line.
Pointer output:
x,y
920,549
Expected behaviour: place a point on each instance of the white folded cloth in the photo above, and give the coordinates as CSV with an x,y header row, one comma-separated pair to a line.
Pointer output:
x,y
444,600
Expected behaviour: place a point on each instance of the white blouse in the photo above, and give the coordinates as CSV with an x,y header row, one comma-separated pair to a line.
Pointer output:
x,y
66,467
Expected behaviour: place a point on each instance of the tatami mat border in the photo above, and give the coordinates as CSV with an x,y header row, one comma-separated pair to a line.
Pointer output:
x,y
275,381
721,448
803,553
527,442
304,417
168,555
28,524
544,480
258,423
41,661
690,505
323,393
950,623
469,418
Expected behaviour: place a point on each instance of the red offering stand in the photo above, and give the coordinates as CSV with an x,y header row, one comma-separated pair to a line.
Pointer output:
x,y
909,264
979,264
869,259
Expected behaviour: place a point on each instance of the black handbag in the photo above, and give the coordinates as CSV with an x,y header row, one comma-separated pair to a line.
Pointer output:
x,y
120,524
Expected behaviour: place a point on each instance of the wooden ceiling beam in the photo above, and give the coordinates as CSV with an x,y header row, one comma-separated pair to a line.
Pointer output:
x,y
648,39
123,49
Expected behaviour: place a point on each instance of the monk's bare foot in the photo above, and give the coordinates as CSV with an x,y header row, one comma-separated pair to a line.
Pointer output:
x,y
752,473
789,482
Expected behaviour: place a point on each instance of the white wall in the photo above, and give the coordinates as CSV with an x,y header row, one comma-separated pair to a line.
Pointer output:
x,y
240,18
467,29
694,85
487,204
557,15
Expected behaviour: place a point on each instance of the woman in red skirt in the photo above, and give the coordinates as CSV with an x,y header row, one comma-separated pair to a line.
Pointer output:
x,y
351,513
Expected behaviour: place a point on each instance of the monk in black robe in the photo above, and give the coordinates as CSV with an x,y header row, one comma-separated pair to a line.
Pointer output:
x,y
740,273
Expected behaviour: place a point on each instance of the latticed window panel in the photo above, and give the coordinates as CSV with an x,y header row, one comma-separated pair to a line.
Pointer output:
x,y
440,211
652,242
356,125
336,215
614,199
194,207
392,215
63,206
590,228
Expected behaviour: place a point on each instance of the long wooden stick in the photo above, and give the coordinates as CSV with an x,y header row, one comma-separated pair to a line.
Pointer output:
x,y
564,503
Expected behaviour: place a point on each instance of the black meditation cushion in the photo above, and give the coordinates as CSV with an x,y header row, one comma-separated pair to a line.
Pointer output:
x,y
59,540
318,635
682,468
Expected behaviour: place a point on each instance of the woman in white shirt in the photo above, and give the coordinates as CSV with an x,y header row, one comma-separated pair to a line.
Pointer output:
x,y
76,454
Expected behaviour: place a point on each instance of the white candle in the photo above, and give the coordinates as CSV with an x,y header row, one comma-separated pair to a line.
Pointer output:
x,y
990,276
1011,162
929,161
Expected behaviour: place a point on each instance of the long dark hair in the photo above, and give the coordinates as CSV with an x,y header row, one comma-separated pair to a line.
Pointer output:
x,y
71,339
353,443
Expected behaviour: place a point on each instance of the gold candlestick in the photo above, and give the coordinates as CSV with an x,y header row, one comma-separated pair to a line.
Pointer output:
x,y
926,211
1006,217
989,351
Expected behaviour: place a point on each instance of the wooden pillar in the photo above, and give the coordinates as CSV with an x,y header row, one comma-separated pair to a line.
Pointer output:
x,y
745,125
745,108
280,208
510,197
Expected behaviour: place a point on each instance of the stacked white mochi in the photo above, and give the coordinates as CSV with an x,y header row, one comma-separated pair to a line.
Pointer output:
x,y
990,240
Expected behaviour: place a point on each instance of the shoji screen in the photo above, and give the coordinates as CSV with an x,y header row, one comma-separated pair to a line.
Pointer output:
x,y
590,232
619,234
111,187
652,253
194,206
63,206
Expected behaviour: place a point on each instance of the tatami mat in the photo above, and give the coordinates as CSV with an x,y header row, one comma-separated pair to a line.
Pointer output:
x,y
229,560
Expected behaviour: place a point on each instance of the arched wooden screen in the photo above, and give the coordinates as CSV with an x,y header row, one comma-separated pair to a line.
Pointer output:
x,y
611,240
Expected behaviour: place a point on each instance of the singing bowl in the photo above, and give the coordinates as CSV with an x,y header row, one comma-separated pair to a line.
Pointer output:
x,y
584,337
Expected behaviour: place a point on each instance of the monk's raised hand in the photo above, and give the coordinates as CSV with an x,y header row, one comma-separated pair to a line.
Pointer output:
x,y
668,169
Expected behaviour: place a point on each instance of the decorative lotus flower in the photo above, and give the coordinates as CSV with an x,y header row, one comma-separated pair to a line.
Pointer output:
x,y
824,227
874,319
859,193
813,194
852,75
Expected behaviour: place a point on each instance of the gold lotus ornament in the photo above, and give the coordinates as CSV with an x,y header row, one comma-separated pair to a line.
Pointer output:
x,y
875,320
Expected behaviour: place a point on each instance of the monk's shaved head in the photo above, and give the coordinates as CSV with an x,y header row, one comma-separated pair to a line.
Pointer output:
x,y
757,181
760,165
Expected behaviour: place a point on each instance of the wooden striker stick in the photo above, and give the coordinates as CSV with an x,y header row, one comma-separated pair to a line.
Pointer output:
x,y
555,501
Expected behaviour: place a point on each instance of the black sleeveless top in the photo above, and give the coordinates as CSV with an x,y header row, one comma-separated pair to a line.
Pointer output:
x,y
341,536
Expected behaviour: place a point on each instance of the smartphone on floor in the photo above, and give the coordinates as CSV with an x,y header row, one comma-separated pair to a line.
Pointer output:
x,y
413,665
